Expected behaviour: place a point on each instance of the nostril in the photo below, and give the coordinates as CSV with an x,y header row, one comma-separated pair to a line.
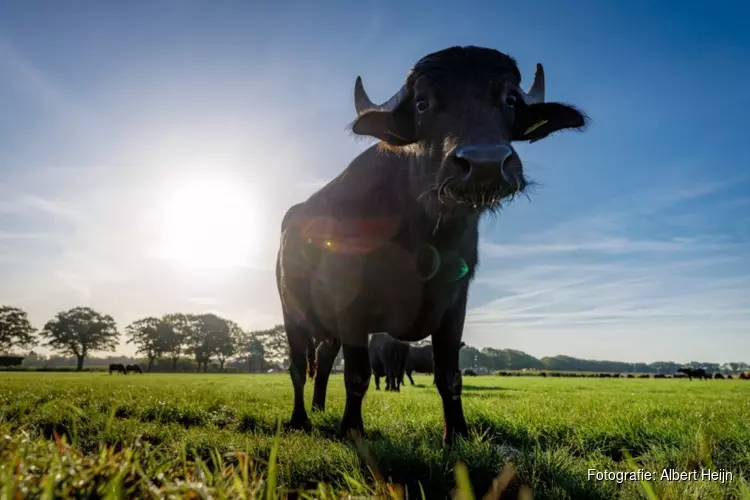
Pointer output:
x,y
464,165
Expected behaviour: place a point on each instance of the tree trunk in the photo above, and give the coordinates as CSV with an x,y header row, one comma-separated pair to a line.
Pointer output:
x,y
150,364
79,364
221,365
174,363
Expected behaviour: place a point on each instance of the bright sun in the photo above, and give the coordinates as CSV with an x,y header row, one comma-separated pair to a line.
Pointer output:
x,y
209,224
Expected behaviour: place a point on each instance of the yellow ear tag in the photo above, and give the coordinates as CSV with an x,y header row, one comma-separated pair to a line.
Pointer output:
x,y
534,127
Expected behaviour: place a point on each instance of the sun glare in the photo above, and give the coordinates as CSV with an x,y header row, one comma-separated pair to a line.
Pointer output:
x,y
209,224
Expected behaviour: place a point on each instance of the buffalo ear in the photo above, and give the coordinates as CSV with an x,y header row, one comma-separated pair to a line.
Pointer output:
x,y
397,128
537,121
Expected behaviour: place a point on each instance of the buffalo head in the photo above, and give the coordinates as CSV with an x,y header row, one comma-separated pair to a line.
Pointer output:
x,y
456,116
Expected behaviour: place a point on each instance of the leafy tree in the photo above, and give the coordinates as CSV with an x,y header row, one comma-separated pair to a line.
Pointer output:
x,y
275,344
228,346
16,331
149,336
252,346
210,337
79,331
175,337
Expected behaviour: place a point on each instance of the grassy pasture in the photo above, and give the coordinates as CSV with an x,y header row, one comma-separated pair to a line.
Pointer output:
x,y
215,436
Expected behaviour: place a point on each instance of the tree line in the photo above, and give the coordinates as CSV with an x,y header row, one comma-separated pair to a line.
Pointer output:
x,y
491,359
208,338
204,337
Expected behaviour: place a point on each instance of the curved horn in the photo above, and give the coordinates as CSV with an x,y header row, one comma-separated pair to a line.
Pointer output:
x,y
536,91
363,103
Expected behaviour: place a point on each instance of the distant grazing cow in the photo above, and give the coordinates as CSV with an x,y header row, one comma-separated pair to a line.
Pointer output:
x,y
133,369
470,373
744,376
729,377
420,360
117,367
543,374
698,373
718,376
388,359
643,375
660,375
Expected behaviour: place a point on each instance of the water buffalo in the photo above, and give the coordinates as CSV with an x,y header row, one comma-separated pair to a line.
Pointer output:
x,y
117,367
718,376
388,359
744,376
390,244
420,361
133,369
699,373
468,372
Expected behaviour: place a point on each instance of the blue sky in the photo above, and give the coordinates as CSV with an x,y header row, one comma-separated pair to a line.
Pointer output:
x,y
125,128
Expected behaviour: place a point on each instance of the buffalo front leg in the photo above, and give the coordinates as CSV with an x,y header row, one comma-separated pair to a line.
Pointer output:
x,y
446,343
298,338
356,380
326,356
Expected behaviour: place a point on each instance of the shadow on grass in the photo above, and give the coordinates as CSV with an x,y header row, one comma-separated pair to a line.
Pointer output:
x,y
410,464
469,387
425,464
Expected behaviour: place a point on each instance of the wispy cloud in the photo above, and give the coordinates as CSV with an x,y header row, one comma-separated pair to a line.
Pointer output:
x,y
19,203
588,280
202,301
605,245
75,283
4,235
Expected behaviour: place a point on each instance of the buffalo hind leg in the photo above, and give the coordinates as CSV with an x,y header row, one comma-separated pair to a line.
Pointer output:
x,y
393,382
408,374
377,381
327,352
357,380
299,341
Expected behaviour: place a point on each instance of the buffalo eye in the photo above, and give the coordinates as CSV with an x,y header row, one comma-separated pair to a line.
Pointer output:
x,y
422,105
511,100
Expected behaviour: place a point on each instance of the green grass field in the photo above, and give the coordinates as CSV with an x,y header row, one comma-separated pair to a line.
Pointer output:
x,y
214,435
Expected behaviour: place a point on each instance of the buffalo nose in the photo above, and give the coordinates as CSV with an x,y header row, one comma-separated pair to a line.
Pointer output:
x,y
484,162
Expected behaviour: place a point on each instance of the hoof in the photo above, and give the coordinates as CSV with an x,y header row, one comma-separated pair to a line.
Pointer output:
x,y
450,436
352,434
299,424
